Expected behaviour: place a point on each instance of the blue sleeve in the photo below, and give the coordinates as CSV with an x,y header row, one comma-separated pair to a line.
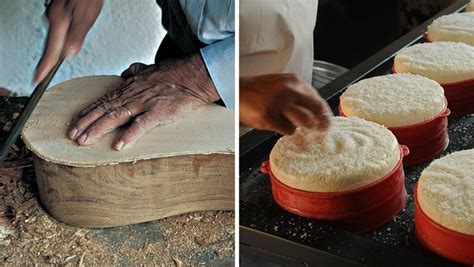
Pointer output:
x,y
219,58
210,20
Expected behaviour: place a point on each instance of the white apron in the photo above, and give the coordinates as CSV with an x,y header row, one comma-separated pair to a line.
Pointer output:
x,y
277,36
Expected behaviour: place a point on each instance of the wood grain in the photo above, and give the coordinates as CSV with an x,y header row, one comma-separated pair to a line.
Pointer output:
x,y
128,193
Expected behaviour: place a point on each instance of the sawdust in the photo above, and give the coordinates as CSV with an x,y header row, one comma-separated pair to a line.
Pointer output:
x,y
29,236
177,245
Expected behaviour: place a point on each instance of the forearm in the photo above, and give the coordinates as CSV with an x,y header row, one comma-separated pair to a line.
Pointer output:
x,y
190,72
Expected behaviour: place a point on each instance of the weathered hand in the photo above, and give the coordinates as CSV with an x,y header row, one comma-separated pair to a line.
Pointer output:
x,y
69,23
280,103
151,96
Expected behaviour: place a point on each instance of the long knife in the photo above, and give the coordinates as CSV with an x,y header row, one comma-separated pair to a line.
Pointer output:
x,y
27,110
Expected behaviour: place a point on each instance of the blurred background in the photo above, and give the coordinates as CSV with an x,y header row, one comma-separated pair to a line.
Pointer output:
x,y
125,32
347,31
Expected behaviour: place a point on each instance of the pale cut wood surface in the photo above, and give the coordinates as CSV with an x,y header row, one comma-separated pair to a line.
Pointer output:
x,y
128,193
207,130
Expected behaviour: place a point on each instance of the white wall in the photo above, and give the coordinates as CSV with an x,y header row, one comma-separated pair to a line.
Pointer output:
x,y
126,31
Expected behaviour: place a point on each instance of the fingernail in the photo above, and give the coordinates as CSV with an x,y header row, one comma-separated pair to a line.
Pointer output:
x,y
119,145
82,139
73,133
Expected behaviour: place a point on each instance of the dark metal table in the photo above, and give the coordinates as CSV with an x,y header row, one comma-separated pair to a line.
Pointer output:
x,y
270,236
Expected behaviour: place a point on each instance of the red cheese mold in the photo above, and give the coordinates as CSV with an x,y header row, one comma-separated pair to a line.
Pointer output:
x,y
358,210
450,244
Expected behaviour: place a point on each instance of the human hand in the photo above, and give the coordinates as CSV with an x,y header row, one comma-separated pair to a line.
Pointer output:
x,y
69,23
280,103
150,96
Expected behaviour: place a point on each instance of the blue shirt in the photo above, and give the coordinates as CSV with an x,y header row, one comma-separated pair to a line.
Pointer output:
x,y
212,21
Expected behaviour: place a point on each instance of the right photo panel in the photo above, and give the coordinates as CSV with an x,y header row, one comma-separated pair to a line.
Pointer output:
x,y
356,133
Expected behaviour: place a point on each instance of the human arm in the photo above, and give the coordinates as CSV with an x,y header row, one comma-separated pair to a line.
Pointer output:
x,y
280,103
69,23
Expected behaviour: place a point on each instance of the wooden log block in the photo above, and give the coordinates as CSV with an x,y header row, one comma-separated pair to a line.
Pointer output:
x,y
182,167
128,193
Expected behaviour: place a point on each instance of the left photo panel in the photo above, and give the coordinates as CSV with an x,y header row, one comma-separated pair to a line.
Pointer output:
x,y
117,132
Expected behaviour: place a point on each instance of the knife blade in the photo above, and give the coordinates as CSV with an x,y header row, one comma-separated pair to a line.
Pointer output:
x,y
27,111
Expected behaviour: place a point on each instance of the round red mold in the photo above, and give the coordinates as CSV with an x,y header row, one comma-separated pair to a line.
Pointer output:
x,y
358,210
450,244
425,139
460,96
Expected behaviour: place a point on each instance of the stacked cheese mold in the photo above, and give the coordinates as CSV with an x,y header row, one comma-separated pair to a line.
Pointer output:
x,y
449,63
444,211
353,175
457,27
411,106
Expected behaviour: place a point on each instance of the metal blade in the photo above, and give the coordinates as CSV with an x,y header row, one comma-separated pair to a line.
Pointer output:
x,y
27,111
